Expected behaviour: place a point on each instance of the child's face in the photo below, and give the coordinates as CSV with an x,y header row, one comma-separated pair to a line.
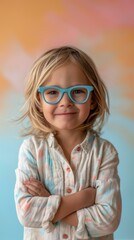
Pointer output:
x,y
66,115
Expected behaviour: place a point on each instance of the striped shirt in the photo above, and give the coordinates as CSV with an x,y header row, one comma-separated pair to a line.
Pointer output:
x,y
93,164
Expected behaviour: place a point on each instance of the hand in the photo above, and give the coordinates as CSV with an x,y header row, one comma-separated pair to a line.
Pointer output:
x,y
36,188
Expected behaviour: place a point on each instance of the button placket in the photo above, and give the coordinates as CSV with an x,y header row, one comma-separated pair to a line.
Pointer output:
x,y
69,172
69,175
75,158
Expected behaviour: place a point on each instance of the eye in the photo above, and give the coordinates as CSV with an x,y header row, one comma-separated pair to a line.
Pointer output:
x,y
52,92
78,91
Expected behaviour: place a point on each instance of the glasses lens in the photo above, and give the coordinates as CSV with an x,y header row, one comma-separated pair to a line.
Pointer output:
x,y
52,95
79,94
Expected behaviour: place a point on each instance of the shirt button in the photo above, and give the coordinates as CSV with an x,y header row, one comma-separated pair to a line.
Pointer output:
x,y
78,148
65,236
69,190
68,169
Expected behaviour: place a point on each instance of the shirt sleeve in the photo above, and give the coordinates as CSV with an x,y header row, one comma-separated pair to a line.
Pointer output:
x,y
34,212
104,216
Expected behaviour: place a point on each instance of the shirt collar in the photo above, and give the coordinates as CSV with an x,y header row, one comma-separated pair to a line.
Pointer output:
x,y
85,145
52,142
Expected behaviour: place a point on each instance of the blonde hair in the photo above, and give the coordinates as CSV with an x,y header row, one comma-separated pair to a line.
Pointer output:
x,y
41,70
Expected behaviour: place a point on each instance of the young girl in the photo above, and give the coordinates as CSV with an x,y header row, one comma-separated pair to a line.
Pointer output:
x,y
67,183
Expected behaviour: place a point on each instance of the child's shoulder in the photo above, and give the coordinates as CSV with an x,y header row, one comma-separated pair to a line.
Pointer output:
x,y
103,144
33,142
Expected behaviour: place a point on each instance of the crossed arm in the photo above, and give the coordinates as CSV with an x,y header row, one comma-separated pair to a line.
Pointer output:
x,y
69,205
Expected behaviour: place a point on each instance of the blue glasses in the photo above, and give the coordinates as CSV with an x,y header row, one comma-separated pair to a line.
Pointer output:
x,y
78,94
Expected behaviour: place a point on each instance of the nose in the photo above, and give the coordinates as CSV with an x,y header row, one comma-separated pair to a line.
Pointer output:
x,y
65,101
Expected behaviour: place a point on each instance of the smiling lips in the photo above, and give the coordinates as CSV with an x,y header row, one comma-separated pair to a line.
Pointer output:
x,y
66,113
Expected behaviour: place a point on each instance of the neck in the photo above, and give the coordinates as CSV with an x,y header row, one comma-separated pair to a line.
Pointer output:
x,y
69,139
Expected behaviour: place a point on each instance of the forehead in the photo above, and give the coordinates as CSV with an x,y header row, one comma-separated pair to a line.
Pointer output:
x,y
70,72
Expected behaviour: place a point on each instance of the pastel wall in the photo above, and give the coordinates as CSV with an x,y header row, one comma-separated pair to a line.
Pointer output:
x,y
102,28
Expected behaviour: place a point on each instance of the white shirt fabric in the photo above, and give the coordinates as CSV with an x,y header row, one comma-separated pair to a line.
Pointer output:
x,y
93,163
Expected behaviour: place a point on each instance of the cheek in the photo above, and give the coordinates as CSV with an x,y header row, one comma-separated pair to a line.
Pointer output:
x,y
48,110
86,113
85,110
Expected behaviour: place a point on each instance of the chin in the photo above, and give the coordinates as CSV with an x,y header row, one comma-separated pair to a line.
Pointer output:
x,y
66,128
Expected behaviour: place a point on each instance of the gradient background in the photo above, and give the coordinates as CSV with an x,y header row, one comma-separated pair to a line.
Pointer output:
x,y
102,28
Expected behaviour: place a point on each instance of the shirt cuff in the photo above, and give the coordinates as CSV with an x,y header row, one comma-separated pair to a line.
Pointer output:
x,y
51,209
81,230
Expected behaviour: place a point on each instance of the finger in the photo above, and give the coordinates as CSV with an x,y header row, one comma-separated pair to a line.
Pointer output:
x,y
37,192
32,192
37,182
33,183
41,191
38,185
32,188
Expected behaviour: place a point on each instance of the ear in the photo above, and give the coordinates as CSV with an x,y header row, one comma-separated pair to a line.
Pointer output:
x,y
92,106
93,102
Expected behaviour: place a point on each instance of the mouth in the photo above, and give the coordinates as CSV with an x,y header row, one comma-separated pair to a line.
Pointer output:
x,y
66,113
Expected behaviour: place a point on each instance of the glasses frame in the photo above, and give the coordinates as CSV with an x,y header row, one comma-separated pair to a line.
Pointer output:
x,y
66,90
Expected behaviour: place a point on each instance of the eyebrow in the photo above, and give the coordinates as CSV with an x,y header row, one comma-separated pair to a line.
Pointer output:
x,y
66,87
